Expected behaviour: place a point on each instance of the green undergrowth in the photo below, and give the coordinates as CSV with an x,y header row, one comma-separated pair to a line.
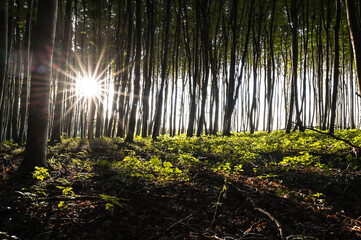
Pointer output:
x,y
171,158
262,156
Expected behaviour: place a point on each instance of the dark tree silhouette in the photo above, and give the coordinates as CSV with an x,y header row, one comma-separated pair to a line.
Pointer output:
x,y
42,49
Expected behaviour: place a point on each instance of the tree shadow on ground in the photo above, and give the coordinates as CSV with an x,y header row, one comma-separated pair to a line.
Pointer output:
x,y
205,207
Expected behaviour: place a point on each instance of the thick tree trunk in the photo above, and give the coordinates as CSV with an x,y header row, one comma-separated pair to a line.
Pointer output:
x,y
42,48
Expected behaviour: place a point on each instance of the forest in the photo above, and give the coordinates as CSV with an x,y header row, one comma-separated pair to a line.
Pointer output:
x,y
180,119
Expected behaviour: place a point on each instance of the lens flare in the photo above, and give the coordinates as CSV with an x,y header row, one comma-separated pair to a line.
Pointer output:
x,y
88,87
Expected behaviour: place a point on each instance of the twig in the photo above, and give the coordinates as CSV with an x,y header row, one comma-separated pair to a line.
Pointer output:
x,y
80,198
250,200
183,219
273,219
256,236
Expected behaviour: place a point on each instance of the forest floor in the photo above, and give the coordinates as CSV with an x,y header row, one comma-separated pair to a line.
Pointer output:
x,y
260,186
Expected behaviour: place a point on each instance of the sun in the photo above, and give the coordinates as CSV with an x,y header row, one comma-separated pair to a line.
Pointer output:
x,y
87,87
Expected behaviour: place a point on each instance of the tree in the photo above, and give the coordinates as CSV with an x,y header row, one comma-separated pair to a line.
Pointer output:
x,y
42,49
25,86
336,67
64,62
159,106
121,117
354,24
133,114
293,21
232,91
3,54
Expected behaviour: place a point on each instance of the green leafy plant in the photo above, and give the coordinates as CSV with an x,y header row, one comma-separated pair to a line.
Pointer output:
x,y
112,202
41,173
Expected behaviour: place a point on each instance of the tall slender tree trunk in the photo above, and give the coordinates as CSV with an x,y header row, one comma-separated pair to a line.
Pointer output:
x,y
232,92
327,81
294,92
232,70
100,100
335,68
354,24
193,88
25,85
205,39
271,70
148,65
133,114
159,106
3,56
64,62
352,95
17,77
125,75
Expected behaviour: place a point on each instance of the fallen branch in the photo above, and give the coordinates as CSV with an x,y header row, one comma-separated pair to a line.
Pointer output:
x,y
355,148
273,219
79,198
250,200
183,219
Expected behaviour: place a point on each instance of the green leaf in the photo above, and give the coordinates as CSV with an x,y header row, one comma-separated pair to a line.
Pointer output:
x,y
155,161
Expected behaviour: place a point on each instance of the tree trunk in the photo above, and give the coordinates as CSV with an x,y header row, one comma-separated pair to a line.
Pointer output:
x,y
133,114
159,106
205,38
232,92
193,84
25,85
355,33
42,49
3,56
335,68
64,62
294,93
125,75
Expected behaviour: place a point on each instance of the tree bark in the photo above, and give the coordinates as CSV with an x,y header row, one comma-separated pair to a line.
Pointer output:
x,y
159,106
3,56
125,77
133,114
335,68
64,61
42,49
25,85
355,33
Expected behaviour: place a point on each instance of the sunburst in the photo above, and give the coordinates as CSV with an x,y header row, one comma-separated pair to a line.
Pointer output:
x,y
87,87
